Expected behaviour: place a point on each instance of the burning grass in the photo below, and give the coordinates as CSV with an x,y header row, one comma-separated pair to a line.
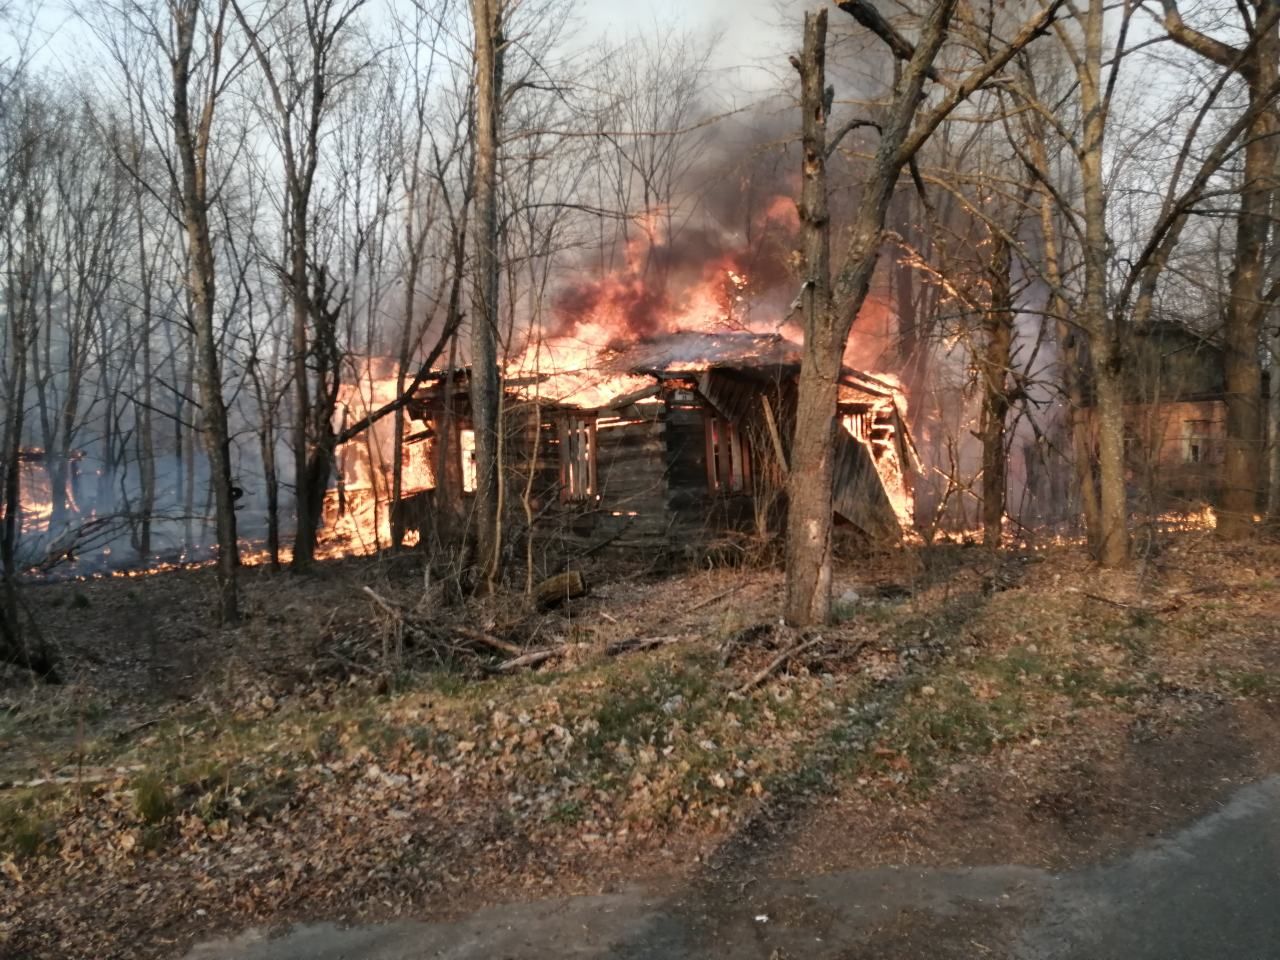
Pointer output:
x,y
199,780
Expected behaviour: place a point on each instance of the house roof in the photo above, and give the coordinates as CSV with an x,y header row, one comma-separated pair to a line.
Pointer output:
x,y
622,369
1167,329
689,352
692,351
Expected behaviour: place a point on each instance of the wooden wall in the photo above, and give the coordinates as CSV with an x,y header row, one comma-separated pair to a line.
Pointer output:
x,y
653,495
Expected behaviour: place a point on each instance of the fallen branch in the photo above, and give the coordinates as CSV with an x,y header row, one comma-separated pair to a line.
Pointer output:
x,y
710,600
530,659
745,635
1141,607
488,640
65,780
776,663
384,603
1108,600
617,647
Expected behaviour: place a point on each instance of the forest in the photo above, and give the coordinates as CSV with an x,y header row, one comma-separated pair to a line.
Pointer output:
x,y
446,418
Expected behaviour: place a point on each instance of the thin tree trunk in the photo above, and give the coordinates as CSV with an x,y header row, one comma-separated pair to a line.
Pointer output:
x,y
304,543
402,372
447,467
18,646
147,466
998,331
188,454
192,148
1273,438
485,377
1257,62
1068,348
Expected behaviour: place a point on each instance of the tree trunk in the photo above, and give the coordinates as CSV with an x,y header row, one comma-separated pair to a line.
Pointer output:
x,y
828,313
447,466
188,453
12,647
1256,62
22,647
304,539
808,547
402,373
272,482
147,454
1242,468
998,331
1105,343
192,148
485,377
1273,487
1071,361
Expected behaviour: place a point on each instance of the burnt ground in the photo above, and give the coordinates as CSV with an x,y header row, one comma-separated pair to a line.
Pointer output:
x,y
322,762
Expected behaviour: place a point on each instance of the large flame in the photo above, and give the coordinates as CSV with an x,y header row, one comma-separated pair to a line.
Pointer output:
x,y
666,281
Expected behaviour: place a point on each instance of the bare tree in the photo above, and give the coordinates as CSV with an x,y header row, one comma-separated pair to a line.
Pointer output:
x,y
1256,61
488,21
193,114
24,188
300,54
830,302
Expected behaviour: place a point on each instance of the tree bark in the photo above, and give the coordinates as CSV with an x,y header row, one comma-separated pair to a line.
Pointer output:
x,y
1242,468
304,538
1273,436
1105,342
147,454
828,317
1257,63
192,142
487,17
808,546
998,334
301,81
18,645
1068,340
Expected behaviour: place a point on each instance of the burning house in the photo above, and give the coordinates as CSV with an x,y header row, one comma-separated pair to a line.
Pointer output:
x,y
666,445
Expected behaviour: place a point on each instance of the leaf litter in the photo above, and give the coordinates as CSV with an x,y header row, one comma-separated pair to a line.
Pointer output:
x,y
197,781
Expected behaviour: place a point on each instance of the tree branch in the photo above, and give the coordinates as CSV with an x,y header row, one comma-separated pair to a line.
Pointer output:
x,y
870,17
1224,55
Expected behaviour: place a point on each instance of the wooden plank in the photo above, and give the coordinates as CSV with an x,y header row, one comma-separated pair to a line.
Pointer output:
x,y
858,494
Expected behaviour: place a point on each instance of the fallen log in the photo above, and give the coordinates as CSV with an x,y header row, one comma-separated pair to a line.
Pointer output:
x,y
561,587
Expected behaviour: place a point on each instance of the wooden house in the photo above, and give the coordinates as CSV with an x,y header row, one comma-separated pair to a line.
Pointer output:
x,y
663,446
1175,416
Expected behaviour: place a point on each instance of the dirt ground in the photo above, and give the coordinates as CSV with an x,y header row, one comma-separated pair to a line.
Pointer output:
x,y
344,755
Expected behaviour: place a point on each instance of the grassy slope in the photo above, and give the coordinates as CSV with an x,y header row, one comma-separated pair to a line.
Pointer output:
x,y
259,796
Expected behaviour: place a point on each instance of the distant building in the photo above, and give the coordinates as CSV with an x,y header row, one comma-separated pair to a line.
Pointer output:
x,y
1175,417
